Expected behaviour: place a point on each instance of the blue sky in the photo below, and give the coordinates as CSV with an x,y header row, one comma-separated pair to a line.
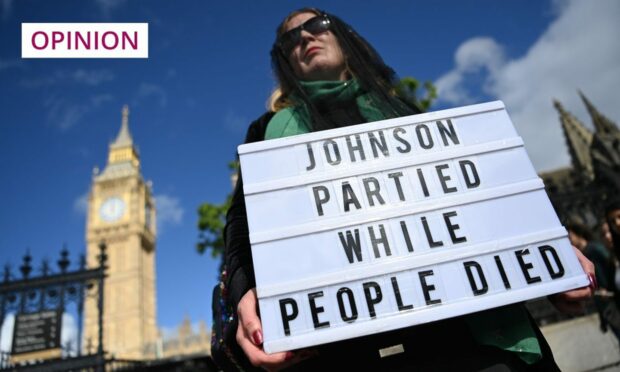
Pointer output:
x,y
208,75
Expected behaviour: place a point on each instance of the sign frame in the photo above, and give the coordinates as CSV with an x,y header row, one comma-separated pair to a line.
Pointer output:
x,y
270,172
37,334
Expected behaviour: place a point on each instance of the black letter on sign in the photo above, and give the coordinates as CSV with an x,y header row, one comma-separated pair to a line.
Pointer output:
x,y
378,144
543,252
315,310
374,191
423,182
396,177
447,132
452,227
382,240
351,245
403,227
348,197
357,147
400,139
399,299
427,288
469,182
444,178
286,317
370,300
429,143
502,272
526,266
472,281
328,155
429,237
311,156
343,312
320,200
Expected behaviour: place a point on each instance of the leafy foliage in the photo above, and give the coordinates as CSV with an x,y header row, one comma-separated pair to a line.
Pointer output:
x,y
407,88
211,222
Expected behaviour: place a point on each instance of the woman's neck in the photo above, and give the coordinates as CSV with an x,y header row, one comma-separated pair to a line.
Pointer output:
x,y
329,75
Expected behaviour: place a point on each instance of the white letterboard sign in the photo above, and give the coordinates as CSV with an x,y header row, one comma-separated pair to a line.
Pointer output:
x,y
386,225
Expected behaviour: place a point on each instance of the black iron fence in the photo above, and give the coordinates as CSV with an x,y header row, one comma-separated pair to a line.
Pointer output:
x,y
51,291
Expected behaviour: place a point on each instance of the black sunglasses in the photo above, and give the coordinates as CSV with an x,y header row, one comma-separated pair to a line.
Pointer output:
x,y
314,25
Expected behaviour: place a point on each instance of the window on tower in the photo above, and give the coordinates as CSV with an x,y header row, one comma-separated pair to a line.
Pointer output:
x,y
148,216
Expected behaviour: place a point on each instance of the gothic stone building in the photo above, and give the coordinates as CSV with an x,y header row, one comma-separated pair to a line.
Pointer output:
x,y
579,193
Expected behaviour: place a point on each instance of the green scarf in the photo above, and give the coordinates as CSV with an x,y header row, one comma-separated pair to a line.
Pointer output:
x,y
507,327
295,119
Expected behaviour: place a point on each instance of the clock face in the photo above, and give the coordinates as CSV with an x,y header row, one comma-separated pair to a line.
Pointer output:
x,y
112,209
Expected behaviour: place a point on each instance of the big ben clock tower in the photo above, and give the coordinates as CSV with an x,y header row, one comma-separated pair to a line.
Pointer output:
x,y
121,213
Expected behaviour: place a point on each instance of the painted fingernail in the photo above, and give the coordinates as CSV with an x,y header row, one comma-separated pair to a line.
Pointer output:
x,y
289,355
593,282
257,337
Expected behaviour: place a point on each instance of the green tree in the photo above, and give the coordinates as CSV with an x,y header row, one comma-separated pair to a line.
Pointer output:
x,y
212,217
407,88
211,221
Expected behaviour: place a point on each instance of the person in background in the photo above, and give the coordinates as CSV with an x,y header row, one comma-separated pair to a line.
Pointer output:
x,y
581,238
604,263
608,298
328,76
606,237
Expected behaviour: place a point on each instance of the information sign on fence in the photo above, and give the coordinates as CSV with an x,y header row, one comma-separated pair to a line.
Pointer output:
x,y
36,332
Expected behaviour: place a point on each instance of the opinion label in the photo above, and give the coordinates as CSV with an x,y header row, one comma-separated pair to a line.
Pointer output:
x,y
85,40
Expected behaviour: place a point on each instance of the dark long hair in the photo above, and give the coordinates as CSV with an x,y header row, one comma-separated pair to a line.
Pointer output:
x,y
362,61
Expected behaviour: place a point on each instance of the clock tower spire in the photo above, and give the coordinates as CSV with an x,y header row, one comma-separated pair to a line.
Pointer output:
x,y
121,213
122,149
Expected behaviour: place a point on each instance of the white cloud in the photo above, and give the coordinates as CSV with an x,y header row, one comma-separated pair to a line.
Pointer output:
x,y
64,113
80,204
107,6
148,90
68,335
171,73
6,335
10,63
93,77
100,99
578,50
80,76
235,122
480,54
169,211
7,8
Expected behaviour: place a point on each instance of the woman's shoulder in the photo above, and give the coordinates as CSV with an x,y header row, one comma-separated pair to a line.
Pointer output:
x,y
285,123
257,129
282,123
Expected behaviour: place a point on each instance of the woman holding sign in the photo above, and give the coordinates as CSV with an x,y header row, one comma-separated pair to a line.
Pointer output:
x,y
330,77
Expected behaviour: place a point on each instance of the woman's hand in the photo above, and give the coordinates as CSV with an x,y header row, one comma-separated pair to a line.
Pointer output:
x,y
573,302
250,338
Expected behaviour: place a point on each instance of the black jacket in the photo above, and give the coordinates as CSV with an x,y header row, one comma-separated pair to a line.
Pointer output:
x,y
442,345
